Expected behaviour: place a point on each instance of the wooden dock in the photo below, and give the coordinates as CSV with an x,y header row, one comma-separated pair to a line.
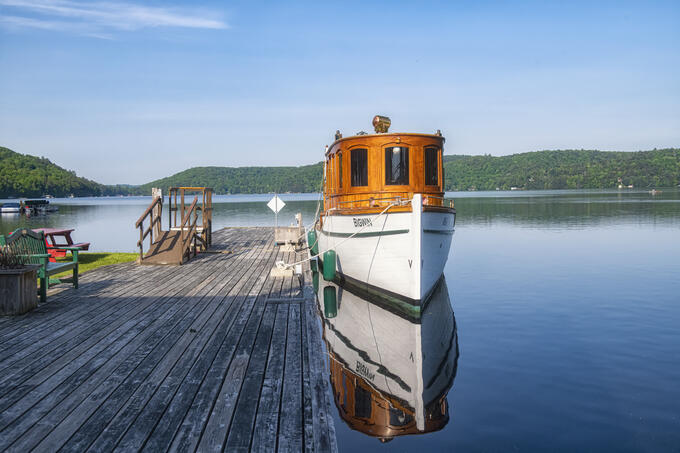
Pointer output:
x,y
214,355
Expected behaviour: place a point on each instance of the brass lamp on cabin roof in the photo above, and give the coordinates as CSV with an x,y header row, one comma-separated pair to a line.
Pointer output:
x,y
381,124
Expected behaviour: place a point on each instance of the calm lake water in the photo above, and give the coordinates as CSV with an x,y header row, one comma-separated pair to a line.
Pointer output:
x,y
567,309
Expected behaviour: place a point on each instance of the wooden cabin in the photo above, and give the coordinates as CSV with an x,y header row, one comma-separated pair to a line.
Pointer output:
x,y
365,173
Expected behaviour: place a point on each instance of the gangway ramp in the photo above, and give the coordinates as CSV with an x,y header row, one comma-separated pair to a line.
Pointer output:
x,y
184,238
166,249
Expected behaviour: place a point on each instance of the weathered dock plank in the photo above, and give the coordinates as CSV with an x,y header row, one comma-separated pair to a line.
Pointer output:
x,y
214,355
53,365
177,324
267,420
290,436
84,379
65,337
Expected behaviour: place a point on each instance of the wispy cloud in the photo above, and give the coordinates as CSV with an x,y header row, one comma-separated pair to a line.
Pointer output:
x,y
99,18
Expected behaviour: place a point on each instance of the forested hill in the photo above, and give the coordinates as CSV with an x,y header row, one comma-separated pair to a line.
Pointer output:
x,y
22,175
245,179
568,169
29,176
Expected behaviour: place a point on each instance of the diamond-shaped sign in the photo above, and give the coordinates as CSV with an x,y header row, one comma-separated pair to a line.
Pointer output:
x,y
276,204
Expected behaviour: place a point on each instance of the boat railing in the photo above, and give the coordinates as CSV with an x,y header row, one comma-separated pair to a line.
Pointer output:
x,y
336,202
433,200
345,201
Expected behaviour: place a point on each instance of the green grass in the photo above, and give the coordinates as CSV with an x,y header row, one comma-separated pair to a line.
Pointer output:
x,y
88,261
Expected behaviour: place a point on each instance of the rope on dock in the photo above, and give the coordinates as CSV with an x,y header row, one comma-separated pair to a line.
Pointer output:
x,y
282,265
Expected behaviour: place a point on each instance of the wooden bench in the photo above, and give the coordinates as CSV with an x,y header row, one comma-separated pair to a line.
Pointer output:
x,y
31,244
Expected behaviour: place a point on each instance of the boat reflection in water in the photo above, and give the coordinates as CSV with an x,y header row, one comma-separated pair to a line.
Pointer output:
x,y
389,374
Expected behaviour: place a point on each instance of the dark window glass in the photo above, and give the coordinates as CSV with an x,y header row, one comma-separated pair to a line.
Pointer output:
x,y
340,170
362,402
396,165
359,167
333,173
328,173
431,173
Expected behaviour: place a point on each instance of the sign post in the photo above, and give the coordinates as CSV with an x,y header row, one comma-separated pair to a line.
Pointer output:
x,y
276,204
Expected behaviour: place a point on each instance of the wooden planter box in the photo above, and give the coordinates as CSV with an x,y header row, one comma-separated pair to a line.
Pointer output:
x,y
18,290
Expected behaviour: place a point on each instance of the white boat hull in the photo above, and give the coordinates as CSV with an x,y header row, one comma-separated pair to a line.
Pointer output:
x,y
402,253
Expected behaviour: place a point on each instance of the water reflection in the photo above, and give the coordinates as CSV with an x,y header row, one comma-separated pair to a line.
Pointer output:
x,y
389,375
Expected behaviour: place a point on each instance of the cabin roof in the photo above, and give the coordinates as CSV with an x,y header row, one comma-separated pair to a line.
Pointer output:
x,y
388,134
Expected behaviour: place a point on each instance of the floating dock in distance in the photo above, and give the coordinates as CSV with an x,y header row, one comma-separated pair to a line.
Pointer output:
x,y
213,355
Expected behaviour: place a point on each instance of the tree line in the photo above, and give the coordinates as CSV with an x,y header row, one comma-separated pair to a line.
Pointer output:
x,y
564,169
29,176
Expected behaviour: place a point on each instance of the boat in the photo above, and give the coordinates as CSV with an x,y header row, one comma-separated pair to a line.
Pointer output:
x,y
39,206
10,208
390,375
385,225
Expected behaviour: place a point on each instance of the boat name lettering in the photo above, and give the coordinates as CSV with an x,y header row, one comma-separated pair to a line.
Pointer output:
x,y
364,371
362,222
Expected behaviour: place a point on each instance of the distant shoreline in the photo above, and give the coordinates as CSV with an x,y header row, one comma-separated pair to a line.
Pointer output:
x,y
312,196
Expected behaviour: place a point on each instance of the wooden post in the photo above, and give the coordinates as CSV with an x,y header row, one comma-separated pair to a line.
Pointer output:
x,y
175,224
141,242
156,213
182,216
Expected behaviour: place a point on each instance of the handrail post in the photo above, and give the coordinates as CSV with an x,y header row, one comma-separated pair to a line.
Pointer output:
x,y
170,209
193,234
182,196
141,242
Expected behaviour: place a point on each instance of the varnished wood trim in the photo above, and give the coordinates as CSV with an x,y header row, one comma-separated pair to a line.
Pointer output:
x,y
394,134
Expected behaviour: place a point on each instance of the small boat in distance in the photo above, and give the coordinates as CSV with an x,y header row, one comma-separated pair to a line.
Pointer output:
x,y
39,206
10,208
385,226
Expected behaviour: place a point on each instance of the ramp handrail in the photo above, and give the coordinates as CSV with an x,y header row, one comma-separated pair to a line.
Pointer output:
x,y
204,210
149,231
191,230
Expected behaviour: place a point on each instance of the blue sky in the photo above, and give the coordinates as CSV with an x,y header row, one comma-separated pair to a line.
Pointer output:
x,y
126,92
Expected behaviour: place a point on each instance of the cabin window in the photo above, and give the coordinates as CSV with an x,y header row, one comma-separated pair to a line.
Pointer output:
x,y
332,172
359,168
396,165
362,402
340,170
431,167
328,173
